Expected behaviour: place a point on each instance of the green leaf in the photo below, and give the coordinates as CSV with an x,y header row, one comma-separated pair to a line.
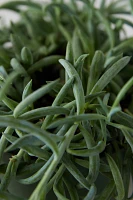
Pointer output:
x,y
27,143
3,140
60,172
123,119
63,7
38,175
24,140
108,28
26,56
65,32
47,175
91,194
113,111
29,128
68,57
27,140
127,177
27,90
80,63
123,47
94,165
120,95
71,188
69,52
103,130
36,151
6,85
113,59
76,45
44,62
86,41
89,98
33,97
18,67
58,100
82,163
106,99
75,172
110,74
7,176
63,92
79,145
57,187
10,138
44,111
9,102
95,69
103,106
26,170
88,152
76,118
17,45
117,178
128,138
87,136
79,96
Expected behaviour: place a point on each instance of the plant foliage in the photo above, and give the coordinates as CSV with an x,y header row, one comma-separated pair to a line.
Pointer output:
x,y
66,104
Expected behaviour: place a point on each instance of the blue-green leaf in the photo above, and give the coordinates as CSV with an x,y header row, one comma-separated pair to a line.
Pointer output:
x,y
77,88
110,74
33,97
117,178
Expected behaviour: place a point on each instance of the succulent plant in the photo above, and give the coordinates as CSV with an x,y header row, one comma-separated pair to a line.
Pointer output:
x,y
66,113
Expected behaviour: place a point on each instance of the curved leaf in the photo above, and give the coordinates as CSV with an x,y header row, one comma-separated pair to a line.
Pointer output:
x,y
88,152
110,74
117,178
29,128
77,88
33,97
76,118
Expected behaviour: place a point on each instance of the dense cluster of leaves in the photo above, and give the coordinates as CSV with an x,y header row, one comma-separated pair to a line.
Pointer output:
x,y
66,100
